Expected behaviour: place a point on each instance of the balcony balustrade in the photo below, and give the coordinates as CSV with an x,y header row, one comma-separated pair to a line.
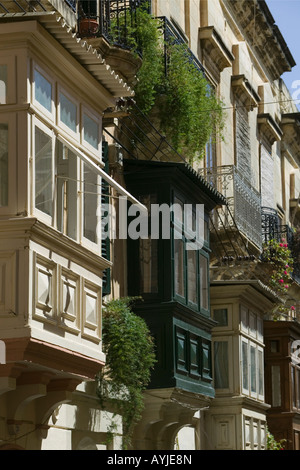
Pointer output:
x,y
244,202
110,19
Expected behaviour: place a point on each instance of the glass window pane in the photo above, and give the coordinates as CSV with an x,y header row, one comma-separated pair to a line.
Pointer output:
x,y
149,268
3,165
253,368
245,366
192,276
67,191
221,364
276,386
90,204
3,84
179,267
260,373
91,131
68,112
204,282
43,91
221,316
43,172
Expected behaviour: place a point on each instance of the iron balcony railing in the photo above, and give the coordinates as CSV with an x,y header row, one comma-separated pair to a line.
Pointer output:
x,y
172,35
243,201
110,19
273,229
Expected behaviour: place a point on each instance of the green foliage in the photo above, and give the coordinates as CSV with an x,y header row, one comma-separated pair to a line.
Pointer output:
x,y
192,112
272,444
189,111
130,357
278,256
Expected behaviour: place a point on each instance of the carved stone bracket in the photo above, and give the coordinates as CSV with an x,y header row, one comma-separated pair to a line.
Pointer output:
x,y
269,128
215,48
242,88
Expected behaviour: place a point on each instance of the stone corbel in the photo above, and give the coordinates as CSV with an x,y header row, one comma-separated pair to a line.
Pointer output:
x,y
242,88
213,45
269,128
290,125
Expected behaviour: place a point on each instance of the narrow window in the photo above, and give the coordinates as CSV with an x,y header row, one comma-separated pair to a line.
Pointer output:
x,y
43,91
179,268
276,386
90,204
67,191
3,84
91,131
245,373
43,172
221,364
253,369
68,112
204,282
192,276
3,165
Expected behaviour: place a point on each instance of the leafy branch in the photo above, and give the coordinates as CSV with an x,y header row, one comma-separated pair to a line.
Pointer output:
x,y
130,358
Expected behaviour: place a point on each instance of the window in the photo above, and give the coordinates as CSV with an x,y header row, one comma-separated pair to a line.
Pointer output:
x,y
67,191
221,365
3,84
149,265
276,385
68,113
191,272
245,367
43,91
91,131
43,171
221,316
91,202
204,282
179,268
3,164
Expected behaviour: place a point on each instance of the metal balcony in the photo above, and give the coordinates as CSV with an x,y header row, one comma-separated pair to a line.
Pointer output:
x,y
244,201
110,19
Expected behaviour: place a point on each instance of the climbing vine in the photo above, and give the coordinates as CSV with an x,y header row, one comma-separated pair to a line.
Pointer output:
x,y
130,357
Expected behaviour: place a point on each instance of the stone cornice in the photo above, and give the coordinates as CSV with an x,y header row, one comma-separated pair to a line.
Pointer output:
x,y
269,128
253,22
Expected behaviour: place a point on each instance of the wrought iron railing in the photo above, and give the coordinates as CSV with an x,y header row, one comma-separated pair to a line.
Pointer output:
x,y
111,19
272,229
244,201
172,35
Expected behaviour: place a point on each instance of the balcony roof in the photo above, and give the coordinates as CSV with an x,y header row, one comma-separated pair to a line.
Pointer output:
x,y
79,48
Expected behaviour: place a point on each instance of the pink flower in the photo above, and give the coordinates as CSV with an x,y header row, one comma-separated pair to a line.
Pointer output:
x,y
292,307
287,266
285,245
281,281
286,286
285,272
280,244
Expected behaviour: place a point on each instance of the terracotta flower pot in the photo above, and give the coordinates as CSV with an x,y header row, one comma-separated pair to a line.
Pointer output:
x,y
88,27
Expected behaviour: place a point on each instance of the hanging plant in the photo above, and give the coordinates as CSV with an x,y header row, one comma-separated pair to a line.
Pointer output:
x,y
279,258
130,358
272,444
188,109
192,112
